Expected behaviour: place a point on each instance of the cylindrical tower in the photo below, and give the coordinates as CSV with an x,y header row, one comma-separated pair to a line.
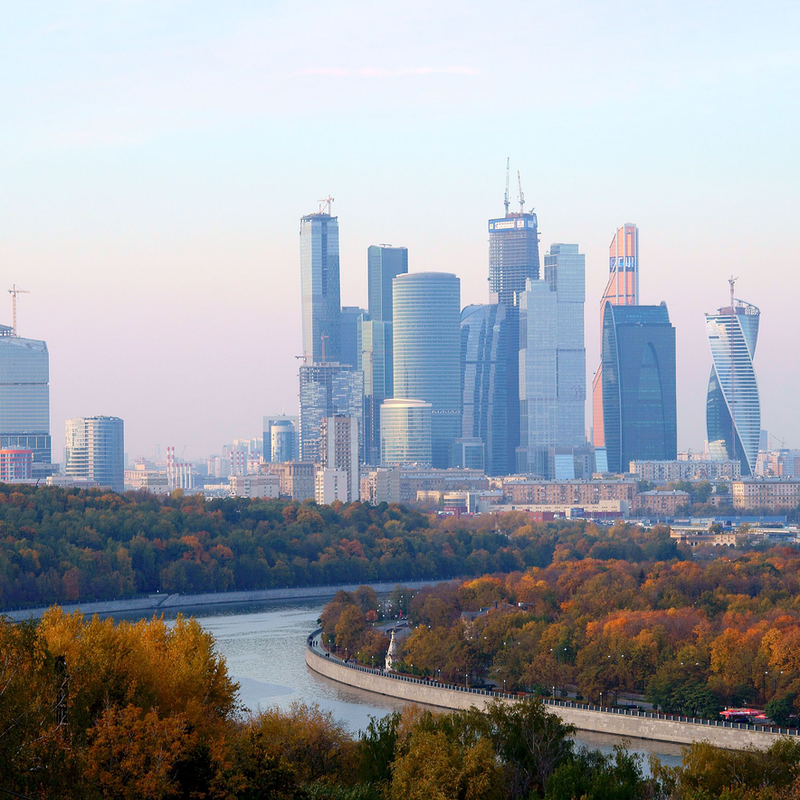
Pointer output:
x,y
427,352
405,432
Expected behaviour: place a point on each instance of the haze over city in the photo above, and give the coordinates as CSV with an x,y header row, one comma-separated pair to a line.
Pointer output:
x,y
157,157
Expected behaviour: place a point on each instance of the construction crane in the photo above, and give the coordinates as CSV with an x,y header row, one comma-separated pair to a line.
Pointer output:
x,y
14,291
521,194
508,177
326,201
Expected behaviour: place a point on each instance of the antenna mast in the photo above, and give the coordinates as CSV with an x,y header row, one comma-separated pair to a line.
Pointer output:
x,y
14,291
521,194
508,177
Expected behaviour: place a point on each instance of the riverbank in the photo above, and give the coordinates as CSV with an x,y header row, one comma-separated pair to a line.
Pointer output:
x,y
162,602
628,723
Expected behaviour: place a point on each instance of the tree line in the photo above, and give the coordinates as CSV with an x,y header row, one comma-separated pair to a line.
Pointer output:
x,y
689,637
64,545
145,711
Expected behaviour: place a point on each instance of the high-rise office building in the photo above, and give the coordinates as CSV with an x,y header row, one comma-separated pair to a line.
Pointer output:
x,y
484,383
406,432
350,321
513,260
95,450
639,395
733,409
25,397
319,278
280,438
552,381
384,264
622,289
339,450
326,390
427,311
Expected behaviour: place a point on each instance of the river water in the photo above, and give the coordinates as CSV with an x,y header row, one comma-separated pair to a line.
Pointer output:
x,y
263,645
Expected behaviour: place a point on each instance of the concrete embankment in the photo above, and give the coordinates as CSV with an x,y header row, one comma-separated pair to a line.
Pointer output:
x,y
619,722
156,603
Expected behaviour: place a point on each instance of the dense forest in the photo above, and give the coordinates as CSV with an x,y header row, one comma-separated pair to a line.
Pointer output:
x,y
690,637
63,545
144,711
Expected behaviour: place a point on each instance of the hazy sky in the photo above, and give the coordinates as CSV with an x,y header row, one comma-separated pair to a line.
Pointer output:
x,y
156,155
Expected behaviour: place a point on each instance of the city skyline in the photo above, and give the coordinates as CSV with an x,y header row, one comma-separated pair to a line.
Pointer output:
x,y
147,209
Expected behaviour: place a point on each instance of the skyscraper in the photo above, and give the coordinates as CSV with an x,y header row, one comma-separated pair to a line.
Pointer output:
x,y
427,310
326,390
484,382
339,451
319,278
552,382
513,260
95,450
622,289
280,438
733,409
25,397
350,321
384,263
639,395
405,432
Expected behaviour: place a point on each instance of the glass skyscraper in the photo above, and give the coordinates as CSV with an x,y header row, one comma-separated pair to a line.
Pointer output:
x,y
406,432
622,289
95,450
327,390
639,395
25,396
484,382
384,264
319,279
350,321
733,409
427,312
552,381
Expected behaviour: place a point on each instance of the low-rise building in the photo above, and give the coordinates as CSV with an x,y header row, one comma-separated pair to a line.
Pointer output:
x,y
296,479
663,502
265,486
16,465
573,493
686,470
769,494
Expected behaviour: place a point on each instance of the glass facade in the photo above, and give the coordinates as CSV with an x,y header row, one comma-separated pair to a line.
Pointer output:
x,y
733,408
319,281
350,322
25,395
95,450
375,346
384,264
327,390
639,394
513,256
484,383
406,436
426,333
622,289
552,378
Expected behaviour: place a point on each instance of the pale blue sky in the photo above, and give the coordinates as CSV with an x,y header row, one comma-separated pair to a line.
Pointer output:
x,y
155,157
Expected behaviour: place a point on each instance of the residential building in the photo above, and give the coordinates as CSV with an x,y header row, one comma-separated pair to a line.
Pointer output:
x,y
319,278
339,450
426,312
146,478
330,485
484,383
766,494
689,470
552,382
574,493
94,449
662,502
380,485
264,486
327,389
406,432
296,479
622,289
25,398
778,464
733,409
639,390
16,465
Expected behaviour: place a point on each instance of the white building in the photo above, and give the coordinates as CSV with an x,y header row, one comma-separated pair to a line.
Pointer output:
x,y
339,451
94,448
265,485
330,485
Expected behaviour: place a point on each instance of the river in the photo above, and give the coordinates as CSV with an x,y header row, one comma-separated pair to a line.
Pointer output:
x,y
263,644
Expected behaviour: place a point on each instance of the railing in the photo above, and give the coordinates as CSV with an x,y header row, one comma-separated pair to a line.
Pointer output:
x,y
627,712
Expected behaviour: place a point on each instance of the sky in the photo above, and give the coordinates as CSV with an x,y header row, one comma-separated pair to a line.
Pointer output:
x,y
156,156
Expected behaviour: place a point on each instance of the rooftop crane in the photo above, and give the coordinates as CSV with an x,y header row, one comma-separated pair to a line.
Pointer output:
x,y
521,194
14,291
508,176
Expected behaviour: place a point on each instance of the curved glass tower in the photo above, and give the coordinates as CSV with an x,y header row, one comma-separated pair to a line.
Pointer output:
x,y
733,410
427,352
